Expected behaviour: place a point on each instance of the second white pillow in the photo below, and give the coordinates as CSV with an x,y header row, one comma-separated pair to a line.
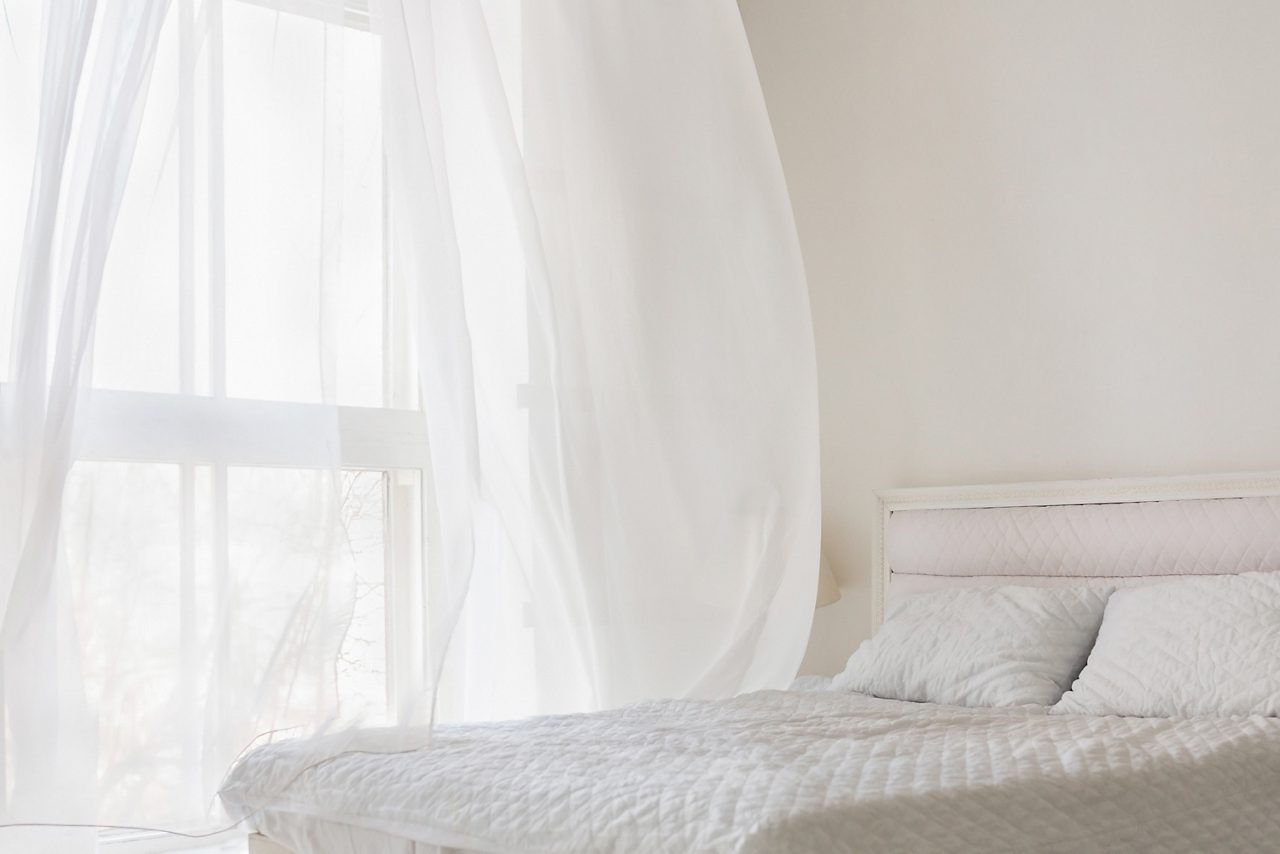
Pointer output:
x,y
1197,646
999,646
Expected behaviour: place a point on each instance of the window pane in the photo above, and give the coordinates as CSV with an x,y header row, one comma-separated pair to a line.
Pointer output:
x,y
362,660
124,557
282,543
361,305
136,339
303,209
199,594
292,172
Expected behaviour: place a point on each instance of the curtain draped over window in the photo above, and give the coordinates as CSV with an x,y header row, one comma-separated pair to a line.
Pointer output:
x,y
429,361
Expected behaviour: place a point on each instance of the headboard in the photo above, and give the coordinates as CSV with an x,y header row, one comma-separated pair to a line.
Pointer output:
x,y
1122,532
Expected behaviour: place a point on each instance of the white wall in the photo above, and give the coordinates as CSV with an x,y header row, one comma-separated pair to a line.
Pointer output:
x,y
1042,239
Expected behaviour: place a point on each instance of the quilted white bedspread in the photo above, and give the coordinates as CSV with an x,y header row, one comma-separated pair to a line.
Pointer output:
x,y
796,771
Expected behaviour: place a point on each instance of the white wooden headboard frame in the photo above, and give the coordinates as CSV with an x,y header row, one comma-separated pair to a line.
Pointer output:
x,y
1054,493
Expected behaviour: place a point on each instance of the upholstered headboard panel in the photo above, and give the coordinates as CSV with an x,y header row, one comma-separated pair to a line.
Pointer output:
x,y
1107,531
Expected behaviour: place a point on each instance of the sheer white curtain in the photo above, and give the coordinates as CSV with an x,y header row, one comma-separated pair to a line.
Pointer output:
x,y
84,145
197,445
443,358
616,349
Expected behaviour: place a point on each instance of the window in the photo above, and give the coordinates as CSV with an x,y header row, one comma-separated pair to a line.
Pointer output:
x,y
252,434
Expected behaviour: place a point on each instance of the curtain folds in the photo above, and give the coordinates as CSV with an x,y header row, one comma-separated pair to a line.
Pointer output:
x,y
88,117
617,366
454,363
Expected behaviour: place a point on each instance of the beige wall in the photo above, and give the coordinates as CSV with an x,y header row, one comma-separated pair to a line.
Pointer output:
x,y
1042,239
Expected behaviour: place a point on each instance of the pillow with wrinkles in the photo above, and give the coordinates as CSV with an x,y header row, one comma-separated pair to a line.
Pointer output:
x,y
998,646
1195,646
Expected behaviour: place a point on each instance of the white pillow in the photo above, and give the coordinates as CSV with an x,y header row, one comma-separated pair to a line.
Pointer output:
x,y
1201,646
999,646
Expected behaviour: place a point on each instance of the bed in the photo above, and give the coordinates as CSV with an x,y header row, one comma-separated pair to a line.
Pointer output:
x,y
820,769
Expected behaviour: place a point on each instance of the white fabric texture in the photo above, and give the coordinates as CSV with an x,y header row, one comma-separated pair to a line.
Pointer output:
x,y
585,213
178,563
1003,646
796,772
84,146
1183,537
1204,646
573,364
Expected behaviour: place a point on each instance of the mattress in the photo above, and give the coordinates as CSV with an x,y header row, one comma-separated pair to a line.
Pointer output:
x,y
796,771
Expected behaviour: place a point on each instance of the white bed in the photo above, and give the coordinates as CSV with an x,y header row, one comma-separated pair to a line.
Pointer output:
x,y
823,770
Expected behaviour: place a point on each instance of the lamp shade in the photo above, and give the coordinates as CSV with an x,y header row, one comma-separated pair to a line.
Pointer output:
x,y
828,587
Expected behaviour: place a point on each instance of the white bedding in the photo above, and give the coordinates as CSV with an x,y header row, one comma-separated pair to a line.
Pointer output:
x,y
793,771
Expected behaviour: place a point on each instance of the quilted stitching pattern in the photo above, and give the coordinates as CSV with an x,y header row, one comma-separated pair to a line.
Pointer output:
x,y
1205,537
1204,646
801,772
994,647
